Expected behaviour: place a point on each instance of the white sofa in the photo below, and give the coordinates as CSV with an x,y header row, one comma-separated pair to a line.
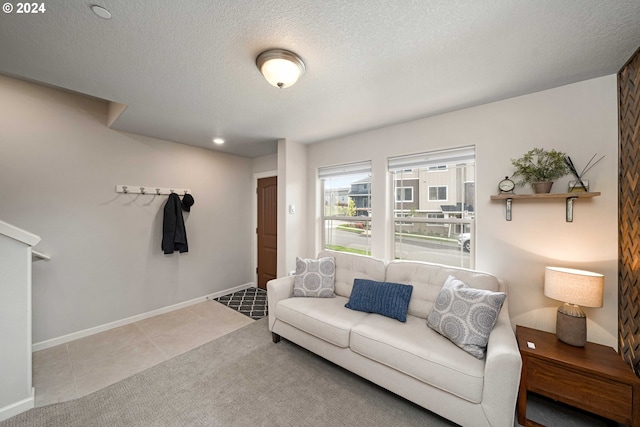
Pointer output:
x,y
409,359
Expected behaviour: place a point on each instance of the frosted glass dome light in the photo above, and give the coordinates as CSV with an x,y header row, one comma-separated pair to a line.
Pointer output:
x,y
280,67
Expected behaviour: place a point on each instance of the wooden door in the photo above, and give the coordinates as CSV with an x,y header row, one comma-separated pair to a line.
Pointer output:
x,y
267,230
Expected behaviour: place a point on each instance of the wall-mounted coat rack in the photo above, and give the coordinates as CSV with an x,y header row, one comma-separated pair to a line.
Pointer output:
x,y
150,190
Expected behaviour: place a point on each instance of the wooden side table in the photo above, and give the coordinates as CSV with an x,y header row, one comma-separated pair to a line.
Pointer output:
x,y
593,378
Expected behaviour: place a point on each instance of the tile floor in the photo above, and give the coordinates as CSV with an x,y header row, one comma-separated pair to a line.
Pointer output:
x,y
80,367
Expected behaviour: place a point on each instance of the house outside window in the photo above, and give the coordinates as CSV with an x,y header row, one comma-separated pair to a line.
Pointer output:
x,y
360,193
346,214
441,209
438,193
404,194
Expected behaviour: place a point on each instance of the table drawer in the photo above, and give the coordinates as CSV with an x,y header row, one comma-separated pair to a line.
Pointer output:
x,y
599,395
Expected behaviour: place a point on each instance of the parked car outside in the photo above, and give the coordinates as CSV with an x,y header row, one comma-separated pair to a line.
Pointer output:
x,y
464,240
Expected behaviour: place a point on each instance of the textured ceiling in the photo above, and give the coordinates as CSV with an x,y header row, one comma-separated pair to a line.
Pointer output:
x,y
186,68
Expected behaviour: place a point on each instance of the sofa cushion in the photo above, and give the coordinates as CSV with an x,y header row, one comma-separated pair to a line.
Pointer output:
x,y
315,278
427,280
325,318
352,266
466,315
418,351
387,299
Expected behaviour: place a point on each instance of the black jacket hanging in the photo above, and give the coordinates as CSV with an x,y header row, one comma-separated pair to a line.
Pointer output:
x,y
174,234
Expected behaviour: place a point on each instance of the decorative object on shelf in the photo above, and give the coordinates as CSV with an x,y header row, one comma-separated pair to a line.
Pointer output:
x,y
576,186
574,288
580,184
542,187
506,186
280,67
540,168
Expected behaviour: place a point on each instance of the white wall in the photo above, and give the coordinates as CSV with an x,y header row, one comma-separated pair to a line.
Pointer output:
x,y
59,165
292,185
580,119
264,164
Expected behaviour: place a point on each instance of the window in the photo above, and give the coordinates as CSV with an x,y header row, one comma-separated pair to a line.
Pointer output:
x,y
436,223
404,194
438,193
346,192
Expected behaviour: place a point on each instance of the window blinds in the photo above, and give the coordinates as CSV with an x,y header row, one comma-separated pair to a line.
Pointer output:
x,y
433,158
341,170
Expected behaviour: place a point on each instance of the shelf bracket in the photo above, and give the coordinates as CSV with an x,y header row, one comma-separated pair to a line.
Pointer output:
x,y
570,208
569,198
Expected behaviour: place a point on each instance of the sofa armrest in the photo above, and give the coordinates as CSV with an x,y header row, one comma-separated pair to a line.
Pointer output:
x,y
278,289
502,372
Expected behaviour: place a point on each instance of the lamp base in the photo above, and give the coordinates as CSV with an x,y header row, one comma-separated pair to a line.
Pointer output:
x,y
571,325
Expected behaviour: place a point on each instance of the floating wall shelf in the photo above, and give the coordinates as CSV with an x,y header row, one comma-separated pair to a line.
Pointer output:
x,y
569,198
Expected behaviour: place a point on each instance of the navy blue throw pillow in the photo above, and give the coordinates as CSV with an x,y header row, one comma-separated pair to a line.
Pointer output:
x,y
387,299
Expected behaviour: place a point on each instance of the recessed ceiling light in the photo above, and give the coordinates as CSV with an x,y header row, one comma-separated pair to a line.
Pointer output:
x,y
218,141
101,11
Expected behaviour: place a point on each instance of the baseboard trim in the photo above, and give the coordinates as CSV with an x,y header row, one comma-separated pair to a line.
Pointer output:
x,y
18,407
101,328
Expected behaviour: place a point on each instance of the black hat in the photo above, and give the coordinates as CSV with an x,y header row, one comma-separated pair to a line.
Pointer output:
x,y
187,202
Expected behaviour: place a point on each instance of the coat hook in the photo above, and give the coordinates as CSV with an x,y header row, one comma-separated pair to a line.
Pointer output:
x,y
171,190
158,191
185,192
142,190
124,189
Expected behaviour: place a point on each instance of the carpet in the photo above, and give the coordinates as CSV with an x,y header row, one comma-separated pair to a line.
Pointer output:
x,y
251,302
240,379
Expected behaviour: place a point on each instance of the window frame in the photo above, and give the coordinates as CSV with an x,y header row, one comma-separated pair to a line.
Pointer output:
x,y
404,200
446,193
458,222
344,171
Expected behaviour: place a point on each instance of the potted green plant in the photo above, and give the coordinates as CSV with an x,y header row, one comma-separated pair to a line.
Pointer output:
x,y
540,168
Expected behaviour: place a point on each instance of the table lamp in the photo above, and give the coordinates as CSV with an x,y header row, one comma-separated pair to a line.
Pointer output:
x,y
575,288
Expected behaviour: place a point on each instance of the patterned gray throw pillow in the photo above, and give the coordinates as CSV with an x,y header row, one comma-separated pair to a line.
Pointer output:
x,y
315,278
466,316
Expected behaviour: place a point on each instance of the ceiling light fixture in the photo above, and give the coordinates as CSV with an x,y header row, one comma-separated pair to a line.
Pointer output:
x,y
280,67
101,11
218,141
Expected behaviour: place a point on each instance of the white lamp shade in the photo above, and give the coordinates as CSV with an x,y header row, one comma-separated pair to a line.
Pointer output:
x,y
280,68
573,286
